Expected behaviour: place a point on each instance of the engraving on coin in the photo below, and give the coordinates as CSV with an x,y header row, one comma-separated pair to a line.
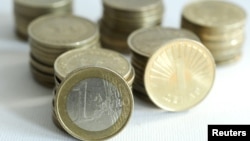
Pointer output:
x,y
61,30
93,100
94,104
74,59
214,13
147,41
179,75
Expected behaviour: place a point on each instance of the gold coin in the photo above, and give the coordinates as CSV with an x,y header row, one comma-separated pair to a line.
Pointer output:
x,y
62,31
179,75
132,5
40,66
37,7
222,45
146,41
43,78
218,15
78,58
93,103
228,61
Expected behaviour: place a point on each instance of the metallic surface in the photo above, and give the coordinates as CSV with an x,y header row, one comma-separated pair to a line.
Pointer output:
x,y
93,103
179,75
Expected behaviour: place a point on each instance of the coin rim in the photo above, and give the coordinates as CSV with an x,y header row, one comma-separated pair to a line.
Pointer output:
x,y
61,101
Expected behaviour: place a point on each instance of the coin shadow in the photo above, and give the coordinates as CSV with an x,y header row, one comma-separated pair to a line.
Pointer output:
x,y
29,103
7,27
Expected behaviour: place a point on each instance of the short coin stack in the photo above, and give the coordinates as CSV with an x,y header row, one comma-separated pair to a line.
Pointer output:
x,y
52,35
92,103
27,10
143,43
220,26
77,58
122,17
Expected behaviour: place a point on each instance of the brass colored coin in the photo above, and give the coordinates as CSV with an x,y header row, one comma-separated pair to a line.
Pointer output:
x,y
132,5
222,45
41,67
229,61
43,78
217,15
78,58
93,103
62,31
38,7
146,41
179,75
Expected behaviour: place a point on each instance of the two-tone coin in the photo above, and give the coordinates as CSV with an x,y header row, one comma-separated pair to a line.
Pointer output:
x,y
93,103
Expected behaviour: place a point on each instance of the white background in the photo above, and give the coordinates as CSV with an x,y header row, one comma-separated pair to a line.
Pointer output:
x,y
25,106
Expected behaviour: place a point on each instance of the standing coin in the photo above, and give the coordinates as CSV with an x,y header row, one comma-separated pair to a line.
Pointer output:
x,y
179,75
93,103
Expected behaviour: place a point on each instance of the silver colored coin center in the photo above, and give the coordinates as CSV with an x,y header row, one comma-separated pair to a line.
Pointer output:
x,y
94,104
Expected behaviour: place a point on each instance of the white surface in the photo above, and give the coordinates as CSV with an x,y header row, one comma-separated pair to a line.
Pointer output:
x,y
25,106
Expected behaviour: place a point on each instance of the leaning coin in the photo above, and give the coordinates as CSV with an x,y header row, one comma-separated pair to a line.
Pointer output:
x,y
93,103
179,75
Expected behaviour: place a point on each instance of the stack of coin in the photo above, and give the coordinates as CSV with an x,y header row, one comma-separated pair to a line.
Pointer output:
x,y
77,58
52,35
143,43
179,75
122,17
220,26
27,10
92,103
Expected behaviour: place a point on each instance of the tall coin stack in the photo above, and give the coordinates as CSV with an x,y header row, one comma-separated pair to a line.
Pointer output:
x,y
143,43
52,35
27,10
78,58
122,17
220,26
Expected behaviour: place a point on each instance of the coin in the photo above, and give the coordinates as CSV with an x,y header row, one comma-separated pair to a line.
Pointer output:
x,y
93,103
78,58
215,15
132,5
179,75
40,66
25,11
62,31
52,35
146,41
220,26
31,8
120,18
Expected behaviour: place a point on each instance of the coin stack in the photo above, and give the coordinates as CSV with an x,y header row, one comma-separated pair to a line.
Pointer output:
x,y
143,43
77,58
92,103
220,26
122,17
26,11
52,35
